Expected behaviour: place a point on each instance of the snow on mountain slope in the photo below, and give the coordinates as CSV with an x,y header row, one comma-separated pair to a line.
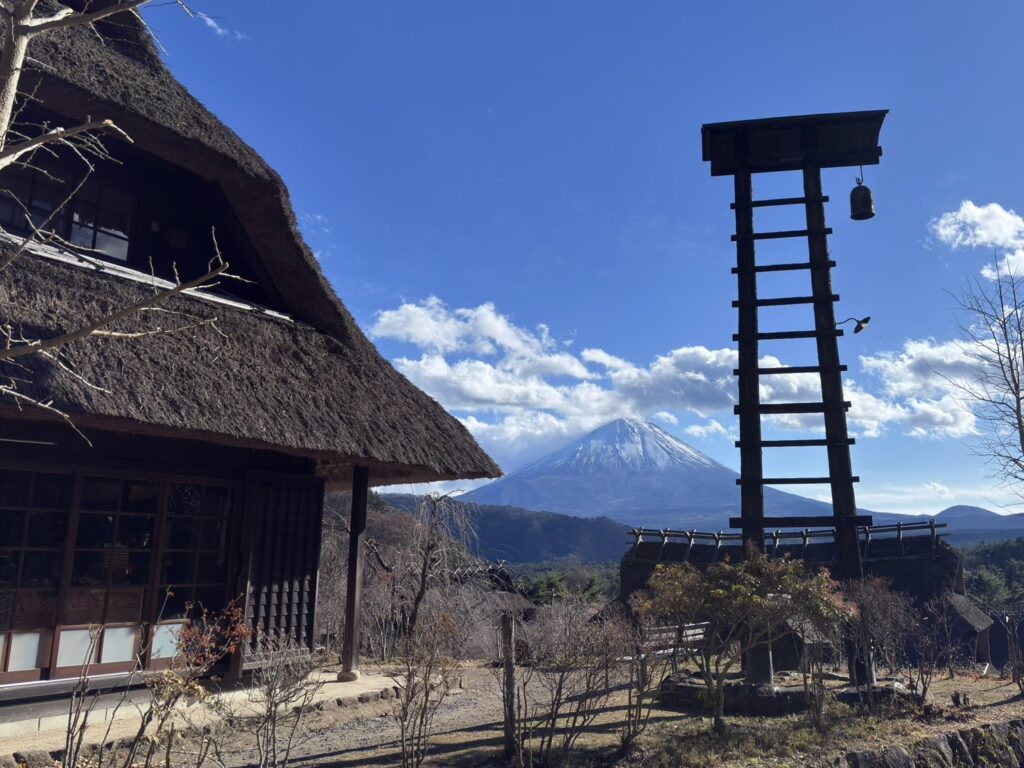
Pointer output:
x,y
630,444
634,472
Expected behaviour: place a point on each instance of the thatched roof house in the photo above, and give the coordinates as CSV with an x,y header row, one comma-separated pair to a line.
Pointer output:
x,y
270,392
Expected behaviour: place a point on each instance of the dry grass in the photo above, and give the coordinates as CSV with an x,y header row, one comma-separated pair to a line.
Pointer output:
x,y
792,740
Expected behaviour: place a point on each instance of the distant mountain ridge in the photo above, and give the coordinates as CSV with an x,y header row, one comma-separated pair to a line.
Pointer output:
x,y
527,536
634,472
966,524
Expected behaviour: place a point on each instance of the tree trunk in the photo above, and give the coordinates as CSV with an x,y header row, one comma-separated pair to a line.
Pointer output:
x,y
719,711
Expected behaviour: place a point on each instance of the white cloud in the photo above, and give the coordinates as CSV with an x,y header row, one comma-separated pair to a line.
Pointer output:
x,y
431,325
984,226
924,367
923,387
521,392
219,30
709,429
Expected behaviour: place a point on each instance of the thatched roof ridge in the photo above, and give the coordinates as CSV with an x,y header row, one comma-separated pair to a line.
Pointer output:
x,y
251,380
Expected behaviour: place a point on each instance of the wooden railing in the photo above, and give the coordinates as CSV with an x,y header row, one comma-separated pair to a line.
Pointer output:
x,y
776,540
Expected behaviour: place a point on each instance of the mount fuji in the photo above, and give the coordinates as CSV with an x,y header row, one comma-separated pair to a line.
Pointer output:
x,y
638,474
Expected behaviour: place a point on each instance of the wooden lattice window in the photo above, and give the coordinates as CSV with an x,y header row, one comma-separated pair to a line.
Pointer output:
x,y
34,512
193,563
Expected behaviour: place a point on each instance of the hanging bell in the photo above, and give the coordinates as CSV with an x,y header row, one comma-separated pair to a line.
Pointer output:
x,y
862,207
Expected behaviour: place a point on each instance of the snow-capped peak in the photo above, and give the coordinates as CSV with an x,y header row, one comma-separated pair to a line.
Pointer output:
x,y
632,444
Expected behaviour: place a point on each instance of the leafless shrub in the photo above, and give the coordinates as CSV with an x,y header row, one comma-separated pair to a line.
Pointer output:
x,y
647,665
944,623
1011,619
879,625
814,665
204,639
428,670
575,657
284,685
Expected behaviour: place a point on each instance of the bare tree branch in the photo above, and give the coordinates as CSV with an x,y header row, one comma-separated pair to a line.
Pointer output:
x,y
992,329
91,328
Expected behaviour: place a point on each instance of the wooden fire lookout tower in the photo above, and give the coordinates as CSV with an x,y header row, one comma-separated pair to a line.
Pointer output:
x,y
803,144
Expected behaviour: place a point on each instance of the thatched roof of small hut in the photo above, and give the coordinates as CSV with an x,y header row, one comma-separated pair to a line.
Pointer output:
x,y
312,384
969,612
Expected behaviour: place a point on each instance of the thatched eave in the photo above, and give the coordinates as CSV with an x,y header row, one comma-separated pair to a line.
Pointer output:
x,y
239,378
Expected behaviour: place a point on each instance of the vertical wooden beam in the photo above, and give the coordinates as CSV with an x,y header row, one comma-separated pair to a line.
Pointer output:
x,y
245,515
759,667
313,588
353,596
508,693
840,469
751,467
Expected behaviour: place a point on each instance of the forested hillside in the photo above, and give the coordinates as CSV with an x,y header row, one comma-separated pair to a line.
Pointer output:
x,y
523,536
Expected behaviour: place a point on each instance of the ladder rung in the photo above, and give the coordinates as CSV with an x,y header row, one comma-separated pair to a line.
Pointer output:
x,y
783,233
803,443
782,267
780,201
799,480
792,407
795,369
787,335
790,300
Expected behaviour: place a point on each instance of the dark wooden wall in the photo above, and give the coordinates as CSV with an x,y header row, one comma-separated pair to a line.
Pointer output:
x,y
283,551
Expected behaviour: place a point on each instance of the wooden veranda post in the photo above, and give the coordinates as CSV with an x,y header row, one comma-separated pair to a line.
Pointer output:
x,y
354,587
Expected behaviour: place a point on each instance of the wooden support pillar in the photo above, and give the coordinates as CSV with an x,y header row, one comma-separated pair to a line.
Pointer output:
x,y
759,669
749,389
354,588
508,688
840,470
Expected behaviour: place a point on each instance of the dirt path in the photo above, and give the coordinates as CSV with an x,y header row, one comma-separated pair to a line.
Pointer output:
x,y
467,729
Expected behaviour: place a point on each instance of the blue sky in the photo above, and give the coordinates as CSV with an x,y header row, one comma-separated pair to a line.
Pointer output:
x,y
510,198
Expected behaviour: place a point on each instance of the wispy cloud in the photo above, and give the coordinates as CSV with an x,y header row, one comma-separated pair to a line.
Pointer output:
x,y
319,223
711,428
665,416
316,229
218,29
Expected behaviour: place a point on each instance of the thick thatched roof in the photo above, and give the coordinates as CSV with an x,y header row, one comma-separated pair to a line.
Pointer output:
x,y
312,385
250,379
